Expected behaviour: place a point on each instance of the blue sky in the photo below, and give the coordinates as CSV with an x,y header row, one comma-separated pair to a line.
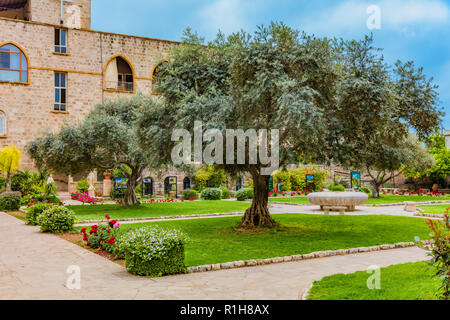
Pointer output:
x,y
417,30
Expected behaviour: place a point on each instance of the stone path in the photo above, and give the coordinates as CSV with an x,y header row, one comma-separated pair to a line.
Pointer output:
x,y
33,266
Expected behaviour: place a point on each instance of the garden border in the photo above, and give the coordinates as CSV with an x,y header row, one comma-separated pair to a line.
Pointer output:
x,y
299,257
428,215
143,219
369,205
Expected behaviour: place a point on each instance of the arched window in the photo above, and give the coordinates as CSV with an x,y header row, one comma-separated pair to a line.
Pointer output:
x,y
119,74
13,64
156,76
2,124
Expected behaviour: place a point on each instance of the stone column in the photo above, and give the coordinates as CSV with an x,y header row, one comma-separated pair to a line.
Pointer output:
x,y
107,185
72,185
91,182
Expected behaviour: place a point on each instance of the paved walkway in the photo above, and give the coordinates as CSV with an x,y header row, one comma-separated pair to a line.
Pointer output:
x,y
33,266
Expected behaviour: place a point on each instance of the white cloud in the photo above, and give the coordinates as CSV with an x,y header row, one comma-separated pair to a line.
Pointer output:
x,y
350,17
401,13
227,15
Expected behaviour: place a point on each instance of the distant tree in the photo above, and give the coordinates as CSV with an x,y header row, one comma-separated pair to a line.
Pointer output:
x,y
331,101
441,154
410,158
10,158
105,140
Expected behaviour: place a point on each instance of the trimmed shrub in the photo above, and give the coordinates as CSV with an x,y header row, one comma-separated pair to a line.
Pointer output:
x,y
83,185
244,194
337,188
36,210
365,190
56,219
152,251
225,193
212,194
10,201
190,194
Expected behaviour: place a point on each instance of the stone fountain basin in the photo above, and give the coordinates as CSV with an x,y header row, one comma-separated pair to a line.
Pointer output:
x,y
338,199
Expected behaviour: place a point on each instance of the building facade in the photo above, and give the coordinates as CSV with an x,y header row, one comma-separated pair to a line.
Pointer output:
x,y
55,69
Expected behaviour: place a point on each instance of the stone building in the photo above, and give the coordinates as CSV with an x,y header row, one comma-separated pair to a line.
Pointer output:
x,y
54,69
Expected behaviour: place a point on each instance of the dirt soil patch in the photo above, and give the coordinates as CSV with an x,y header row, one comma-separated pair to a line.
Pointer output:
x,y
77,239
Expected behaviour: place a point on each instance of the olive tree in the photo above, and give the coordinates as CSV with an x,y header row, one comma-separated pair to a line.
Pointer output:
x,y
104,140
325,97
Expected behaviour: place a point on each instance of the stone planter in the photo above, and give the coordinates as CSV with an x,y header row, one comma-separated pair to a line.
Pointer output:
x,y
338,199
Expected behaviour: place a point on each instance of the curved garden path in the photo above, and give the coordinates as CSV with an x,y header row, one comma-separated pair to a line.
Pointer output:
x,y
33,266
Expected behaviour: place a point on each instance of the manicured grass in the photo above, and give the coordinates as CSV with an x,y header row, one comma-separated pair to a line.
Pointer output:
x,y
97,212
410,281
218,240
388,198
289,199
392,198
435,209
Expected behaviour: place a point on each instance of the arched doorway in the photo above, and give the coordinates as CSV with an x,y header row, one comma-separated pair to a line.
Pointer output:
x,y
170,184
187,183
148,186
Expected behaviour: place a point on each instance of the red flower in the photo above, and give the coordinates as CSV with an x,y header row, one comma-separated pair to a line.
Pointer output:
x,y
107,216
83,230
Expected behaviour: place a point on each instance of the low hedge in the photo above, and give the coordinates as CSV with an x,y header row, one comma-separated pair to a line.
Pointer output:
x,y
365,190
151,251
35,211
10,201
212,194
226,194
56,219
337,188
244,194
190,194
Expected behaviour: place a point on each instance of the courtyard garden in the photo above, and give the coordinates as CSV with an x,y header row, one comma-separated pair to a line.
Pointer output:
x,y
220,240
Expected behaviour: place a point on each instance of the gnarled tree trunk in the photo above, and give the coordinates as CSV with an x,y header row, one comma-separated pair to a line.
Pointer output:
x,y
130,197
258,214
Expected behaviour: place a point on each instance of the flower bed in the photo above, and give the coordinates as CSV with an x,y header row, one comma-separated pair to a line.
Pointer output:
x,y
148,251
85,198
296,193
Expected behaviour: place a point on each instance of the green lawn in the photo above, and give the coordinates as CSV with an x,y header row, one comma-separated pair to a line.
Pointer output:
x,y
435,209
410,281
97,212
217,240
388,198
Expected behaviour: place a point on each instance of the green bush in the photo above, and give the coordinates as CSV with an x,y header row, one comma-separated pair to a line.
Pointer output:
x,y
151,251
225,193
189,194
244,194
56,219
365,190
10,201
35,211
337,188
118,194
211,194
83,186
2,183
